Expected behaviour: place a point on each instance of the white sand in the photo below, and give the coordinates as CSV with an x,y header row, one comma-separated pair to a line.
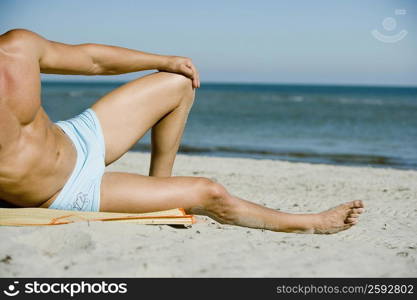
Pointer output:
x,y
383,244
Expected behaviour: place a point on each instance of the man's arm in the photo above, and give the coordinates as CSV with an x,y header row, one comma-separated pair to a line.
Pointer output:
x,y
96,59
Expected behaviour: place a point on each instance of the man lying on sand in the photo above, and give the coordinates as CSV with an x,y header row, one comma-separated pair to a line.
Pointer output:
x,y
61,165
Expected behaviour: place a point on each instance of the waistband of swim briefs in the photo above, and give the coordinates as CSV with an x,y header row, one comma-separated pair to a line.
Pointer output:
x,y
89,113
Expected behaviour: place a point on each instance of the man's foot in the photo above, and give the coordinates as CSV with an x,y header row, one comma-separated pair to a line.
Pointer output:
x,y
340,218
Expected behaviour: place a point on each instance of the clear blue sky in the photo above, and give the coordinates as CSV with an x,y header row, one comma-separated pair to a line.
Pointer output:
x,y
290,41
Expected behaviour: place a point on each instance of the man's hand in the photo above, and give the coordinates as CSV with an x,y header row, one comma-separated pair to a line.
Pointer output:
x,y
184,66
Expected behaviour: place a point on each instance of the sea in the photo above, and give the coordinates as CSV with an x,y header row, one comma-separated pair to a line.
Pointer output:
x,y
342,125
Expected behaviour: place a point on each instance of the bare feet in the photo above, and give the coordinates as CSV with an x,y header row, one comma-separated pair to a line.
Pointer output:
x,y
340,218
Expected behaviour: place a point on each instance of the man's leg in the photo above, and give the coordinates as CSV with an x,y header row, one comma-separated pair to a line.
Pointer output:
x,y
167,134
160,101
124,192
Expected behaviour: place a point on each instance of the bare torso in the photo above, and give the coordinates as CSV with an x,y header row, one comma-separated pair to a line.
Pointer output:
x,y
36,157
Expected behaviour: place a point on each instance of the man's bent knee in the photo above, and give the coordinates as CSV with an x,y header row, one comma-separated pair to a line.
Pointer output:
x,y
179,80
182,83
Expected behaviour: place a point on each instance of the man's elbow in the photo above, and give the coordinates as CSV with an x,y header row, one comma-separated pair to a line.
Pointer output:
x,y
97,65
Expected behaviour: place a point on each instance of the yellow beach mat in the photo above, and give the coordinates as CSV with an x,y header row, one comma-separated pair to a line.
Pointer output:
x,y
46,216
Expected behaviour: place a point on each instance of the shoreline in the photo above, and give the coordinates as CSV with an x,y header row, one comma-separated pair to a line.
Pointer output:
x,y
386,231
309,157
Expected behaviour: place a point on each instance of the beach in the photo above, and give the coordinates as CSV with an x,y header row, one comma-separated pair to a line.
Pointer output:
x,y
383,244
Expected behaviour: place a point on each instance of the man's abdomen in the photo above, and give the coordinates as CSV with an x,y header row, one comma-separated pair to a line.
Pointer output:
x,y
35,167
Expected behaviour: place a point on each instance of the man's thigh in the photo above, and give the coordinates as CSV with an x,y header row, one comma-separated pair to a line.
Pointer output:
x,y
127,192
129,111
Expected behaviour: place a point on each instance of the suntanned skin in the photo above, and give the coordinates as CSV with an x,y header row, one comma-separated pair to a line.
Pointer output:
x,y
37,158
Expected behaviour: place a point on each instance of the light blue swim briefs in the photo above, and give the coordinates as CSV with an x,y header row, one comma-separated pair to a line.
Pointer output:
x,y
82,190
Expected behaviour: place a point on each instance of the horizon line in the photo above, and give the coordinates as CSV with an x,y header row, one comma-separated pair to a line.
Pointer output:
x,y
84,81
